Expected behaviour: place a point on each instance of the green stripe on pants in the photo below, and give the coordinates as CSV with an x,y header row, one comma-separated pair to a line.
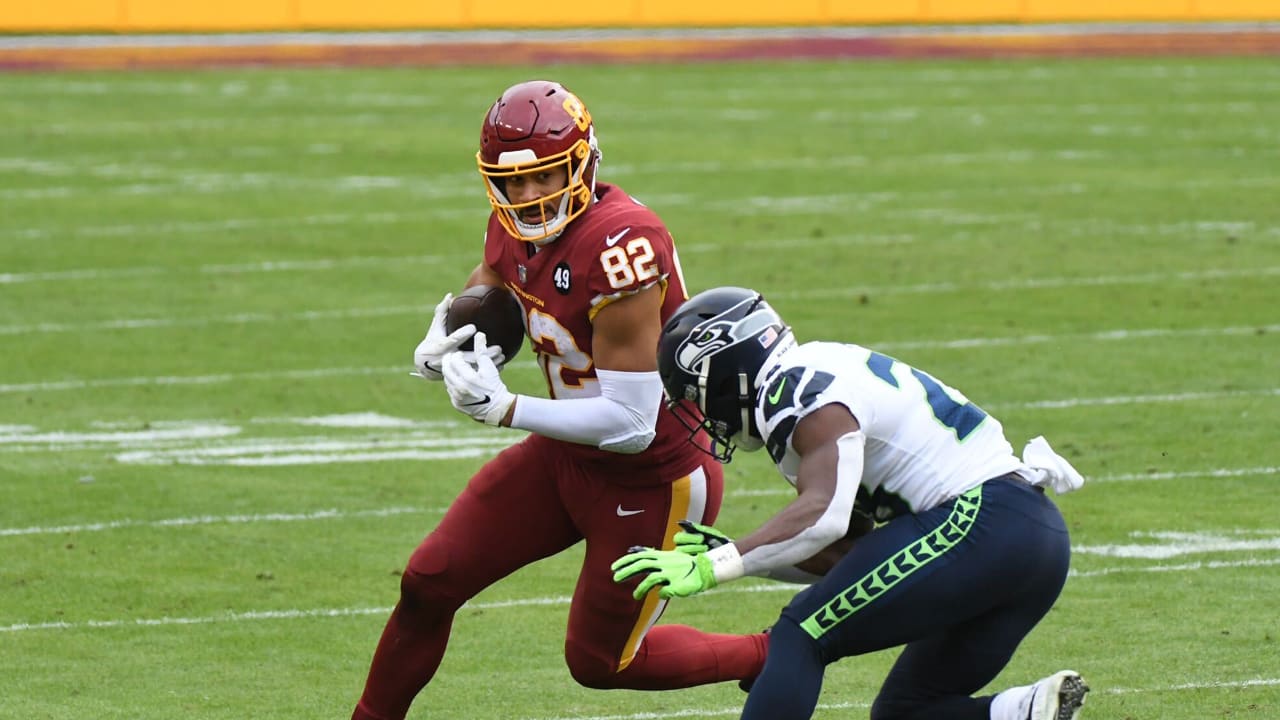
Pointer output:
x,y
899,566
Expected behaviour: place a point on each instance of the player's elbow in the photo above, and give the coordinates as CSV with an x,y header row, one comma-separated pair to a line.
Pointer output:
x,y
630,443
828,529
636,399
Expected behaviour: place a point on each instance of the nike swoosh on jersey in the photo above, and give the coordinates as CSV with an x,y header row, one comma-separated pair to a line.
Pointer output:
x,y
625,513
777,394
612,240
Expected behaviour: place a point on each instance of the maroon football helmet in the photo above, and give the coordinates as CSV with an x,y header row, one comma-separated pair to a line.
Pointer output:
x,y
538,125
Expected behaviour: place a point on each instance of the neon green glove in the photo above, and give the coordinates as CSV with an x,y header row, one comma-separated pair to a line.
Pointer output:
x,y
678,574
697,539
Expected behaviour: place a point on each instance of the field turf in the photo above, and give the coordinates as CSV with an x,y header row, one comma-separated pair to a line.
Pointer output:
x,y
213,462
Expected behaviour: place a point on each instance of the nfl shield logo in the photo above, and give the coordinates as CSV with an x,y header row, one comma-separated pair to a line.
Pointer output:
x,y
523,273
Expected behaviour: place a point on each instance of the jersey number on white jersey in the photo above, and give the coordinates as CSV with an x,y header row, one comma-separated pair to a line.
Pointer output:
x,y
950,407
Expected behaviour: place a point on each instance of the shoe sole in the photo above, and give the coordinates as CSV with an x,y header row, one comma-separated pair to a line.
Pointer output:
x,y
1071,697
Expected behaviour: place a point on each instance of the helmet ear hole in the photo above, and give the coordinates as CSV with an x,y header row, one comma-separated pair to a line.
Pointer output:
x,y
726,399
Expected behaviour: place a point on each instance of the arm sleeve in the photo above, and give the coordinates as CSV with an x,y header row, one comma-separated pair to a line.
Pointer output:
x,y
620,419
830,526
791,575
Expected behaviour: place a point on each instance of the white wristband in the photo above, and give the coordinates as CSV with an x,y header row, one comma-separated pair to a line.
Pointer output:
x,y
726,563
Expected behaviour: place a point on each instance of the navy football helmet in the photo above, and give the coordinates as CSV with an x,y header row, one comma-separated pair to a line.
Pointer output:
x,y
710,356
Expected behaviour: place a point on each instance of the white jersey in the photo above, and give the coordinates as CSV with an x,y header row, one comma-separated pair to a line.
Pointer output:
x,y
925,442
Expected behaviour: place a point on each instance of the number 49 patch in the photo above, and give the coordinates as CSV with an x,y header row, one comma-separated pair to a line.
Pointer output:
x,y
560,278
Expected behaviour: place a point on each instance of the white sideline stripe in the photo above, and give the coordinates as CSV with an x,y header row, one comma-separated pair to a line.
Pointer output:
x,y
332,514
296,614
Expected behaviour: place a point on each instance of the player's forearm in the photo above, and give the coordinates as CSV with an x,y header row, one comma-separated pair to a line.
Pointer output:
x,y
621,419
808,525
790,542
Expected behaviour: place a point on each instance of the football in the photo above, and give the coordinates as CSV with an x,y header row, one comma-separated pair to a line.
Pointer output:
x,y
495,312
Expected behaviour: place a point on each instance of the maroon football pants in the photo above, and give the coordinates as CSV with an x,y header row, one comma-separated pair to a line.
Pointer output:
x,y
533,501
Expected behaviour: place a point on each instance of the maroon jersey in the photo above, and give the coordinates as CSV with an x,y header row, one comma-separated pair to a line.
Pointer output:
x,y
616,248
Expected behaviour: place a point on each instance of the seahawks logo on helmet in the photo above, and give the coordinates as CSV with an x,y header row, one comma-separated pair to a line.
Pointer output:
x,y
707,341
717,334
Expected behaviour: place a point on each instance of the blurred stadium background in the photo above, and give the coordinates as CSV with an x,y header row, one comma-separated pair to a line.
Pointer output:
x,y
223,227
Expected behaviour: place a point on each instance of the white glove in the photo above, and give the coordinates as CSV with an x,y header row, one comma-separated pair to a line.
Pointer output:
x,y
1052,469
427,356
474,386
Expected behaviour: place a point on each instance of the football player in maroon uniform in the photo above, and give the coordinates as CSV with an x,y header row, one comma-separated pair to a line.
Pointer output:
x,y
597,275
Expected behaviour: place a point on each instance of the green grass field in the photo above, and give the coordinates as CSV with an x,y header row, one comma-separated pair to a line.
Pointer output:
x,y
213,463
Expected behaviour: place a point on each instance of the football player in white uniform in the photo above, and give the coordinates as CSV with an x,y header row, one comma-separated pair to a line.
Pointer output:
x,y
968,553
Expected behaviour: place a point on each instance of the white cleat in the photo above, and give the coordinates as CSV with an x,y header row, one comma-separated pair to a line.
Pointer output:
x,y
1057,697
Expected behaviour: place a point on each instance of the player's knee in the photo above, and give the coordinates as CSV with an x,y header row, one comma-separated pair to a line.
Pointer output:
x,y
589,670
425,589
883,708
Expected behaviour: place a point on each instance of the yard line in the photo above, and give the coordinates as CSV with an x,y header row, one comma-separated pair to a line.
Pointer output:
x,y
1100,335
1121,477
336,514
322,373
323,264
736,710
1118,334
314,264
1170,545
1215,473
301,614
215,379
190,227
331,514
264,266
1033,283
1136,399
311,458
236,319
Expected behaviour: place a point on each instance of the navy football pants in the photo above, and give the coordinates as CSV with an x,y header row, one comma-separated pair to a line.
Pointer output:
x,y
959,586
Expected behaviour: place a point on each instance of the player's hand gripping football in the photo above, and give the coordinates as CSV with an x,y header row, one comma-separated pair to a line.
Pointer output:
x,y
474,385
429,354
674,573
695,539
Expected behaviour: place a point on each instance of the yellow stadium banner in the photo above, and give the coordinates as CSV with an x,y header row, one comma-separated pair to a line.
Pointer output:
x,y
284,15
